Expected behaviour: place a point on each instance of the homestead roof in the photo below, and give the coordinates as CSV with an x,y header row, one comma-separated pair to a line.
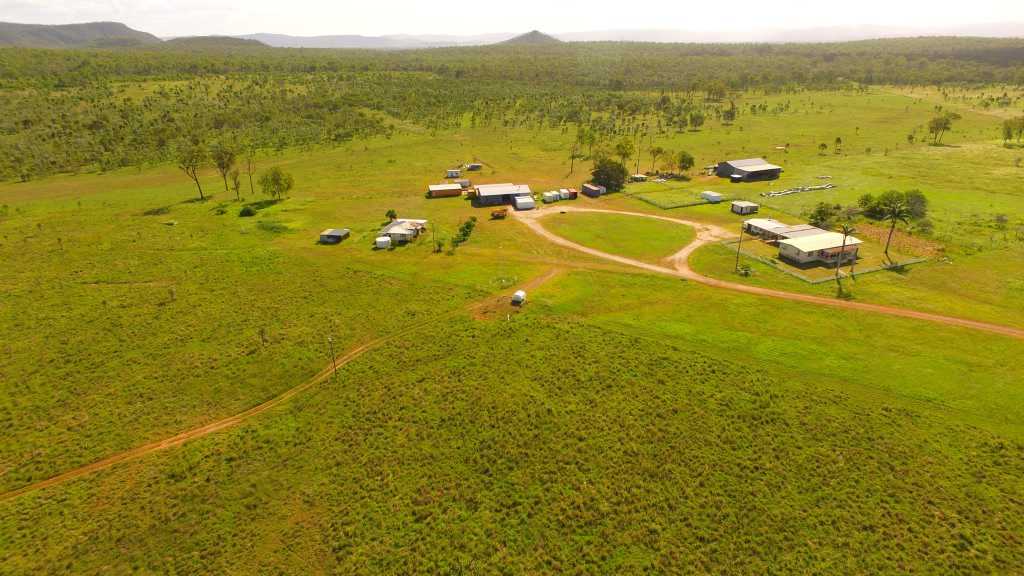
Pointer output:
x,y
769,224
823,241
503,190
403,226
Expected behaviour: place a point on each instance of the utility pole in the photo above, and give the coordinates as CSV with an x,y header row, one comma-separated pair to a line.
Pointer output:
x,y
334,361
738,244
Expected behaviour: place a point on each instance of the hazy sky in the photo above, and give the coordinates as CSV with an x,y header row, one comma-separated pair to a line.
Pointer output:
x,y
374,17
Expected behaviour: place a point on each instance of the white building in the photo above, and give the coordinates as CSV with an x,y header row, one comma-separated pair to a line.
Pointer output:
x,y
524,203
826,247
403,230
712,197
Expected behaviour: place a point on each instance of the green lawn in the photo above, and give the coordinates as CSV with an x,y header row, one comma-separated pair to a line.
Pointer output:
x,y
643,239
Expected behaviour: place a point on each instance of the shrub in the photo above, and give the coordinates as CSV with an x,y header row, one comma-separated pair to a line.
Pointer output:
x,y
247,211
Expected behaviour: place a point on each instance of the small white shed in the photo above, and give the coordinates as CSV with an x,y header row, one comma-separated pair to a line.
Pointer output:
x,y
524,203
550,197
454,173
519,298
712,197
382,242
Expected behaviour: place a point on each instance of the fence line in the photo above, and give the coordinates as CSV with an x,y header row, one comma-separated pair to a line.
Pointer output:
x,y
860,272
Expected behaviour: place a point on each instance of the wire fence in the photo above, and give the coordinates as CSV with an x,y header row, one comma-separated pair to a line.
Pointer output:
x,y
857,272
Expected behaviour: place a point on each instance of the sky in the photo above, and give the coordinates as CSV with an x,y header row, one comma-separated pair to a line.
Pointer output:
x,y
167,18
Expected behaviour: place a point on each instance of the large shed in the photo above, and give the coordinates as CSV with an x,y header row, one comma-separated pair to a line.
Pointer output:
x,y
748,170
495,194
444,190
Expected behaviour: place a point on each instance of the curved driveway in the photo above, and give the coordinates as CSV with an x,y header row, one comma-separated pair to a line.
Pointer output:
x,y
709,233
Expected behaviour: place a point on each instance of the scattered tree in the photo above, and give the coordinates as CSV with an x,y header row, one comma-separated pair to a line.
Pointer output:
x,y
224,159
940,124
656,152
276,183
624,150
190,161
236,183
391,215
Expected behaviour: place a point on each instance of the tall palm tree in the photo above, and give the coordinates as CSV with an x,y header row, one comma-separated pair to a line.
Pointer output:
x,y
896,211
847,231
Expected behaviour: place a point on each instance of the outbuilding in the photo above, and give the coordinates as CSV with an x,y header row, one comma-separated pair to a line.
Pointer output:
x,y
594,190
464,183
748,170
444,190
638,178
403,230
549,197
474,166
825,247
711,197
454,173
382,242
763,227
744,207
495,194
524,203
334,235
568,193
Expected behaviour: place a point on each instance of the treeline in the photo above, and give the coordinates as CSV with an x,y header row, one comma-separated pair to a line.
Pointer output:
x,y
608,65
68,110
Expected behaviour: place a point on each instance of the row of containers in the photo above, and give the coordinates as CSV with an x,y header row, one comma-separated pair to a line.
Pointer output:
x,y
556,195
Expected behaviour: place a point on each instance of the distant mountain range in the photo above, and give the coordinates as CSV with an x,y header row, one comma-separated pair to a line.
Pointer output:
x,y
115,34
89,35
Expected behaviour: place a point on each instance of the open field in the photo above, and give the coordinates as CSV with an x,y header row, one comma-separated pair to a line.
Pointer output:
x,y
622,421
640,238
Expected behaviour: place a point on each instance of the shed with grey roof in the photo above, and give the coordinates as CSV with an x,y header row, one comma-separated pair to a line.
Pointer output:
x,y
748,170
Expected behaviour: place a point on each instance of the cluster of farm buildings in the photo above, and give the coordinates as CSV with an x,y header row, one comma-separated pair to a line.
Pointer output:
x,y
801,244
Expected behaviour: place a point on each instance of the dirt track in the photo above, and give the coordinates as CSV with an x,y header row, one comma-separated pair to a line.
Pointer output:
x,y
709,233
207,429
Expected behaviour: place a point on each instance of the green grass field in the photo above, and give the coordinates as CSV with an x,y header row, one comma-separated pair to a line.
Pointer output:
x,y
622,422
643,239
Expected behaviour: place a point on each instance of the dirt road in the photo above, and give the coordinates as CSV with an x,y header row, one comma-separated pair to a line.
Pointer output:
x,y
207,429
709,233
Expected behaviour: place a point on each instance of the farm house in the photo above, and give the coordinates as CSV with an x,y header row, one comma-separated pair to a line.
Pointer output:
x,y
744,207
403,230
334,235
771,230
825,247
444,190
495,194
749,170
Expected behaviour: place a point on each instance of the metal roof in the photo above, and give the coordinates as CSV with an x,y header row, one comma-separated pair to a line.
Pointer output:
x,y
768,224
333,232
753,165
503,190
743,203
823,241
443,187
403,226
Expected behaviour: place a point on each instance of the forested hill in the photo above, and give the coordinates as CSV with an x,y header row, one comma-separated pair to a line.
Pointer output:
x,y
88,35
607,65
